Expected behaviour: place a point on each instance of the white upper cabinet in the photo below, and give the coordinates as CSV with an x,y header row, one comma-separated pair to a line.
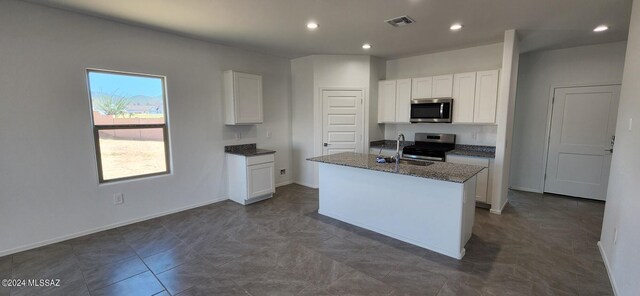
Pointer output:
x,y
486,99
403,100
421,87
442,86
242,98
386,101
464,92
475,96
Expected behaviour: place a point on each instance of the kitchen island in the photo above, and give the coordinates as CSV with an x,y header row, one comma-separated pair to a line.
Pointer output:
x,y
429,206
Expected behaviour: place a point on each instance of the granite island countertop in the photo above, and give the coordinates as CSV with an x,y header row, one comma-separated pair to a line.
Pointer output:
x,y
443,171
474,151
246,150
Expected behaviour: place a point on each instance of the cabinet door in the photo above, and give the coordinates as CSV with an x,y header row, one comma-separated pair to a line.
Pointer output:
x,y
248,98
486,96
421,87
481,187
260,179
386,101
482,177
442,86
464,92
403,100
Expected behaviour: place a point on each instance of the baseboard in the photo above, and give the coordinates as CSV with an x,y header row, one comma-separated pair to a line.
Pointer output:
x,y
606,265
106,227
305,184
525,189
483,205
284,183
499,212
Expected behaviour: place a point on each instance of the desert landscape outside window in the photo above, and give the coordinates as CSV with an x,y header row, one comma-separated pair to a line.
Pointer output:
x,y
129,124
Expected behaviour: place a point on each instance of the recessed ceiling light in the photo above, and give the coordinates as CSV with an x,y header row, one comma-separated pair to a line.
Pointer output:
x,y
455,27
366,46
601,28
312,25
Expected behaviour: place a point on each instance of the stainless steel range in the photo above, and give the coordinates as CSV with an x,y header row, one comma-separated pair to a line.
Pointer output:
x,y
430,147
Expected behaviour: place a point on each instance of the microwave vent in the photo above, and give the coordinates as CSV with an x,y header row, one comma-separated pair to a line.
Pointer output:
x,y
400,21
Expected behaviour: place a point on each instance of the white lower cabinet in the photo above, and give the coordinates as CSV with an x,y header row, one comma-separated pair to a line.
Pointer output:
x,y
250,178
484,178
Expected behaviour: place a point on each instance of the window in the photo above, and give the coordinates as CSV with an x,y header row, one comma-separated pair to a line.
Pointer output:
x,y
129,124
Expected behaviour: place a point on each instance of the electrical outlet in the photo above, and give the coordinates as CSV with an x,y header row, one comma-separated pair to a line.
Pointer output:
x,y
238,136
118,198
269,135
615,236
283,171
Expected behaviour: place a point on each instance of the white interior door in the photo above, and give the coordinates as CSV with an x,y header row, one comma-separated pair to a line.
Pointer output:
x,y
342,126
582,126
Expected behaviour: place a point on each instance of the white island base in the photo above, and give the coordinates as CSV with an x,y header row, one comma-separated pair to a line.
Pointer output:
x,y
433,214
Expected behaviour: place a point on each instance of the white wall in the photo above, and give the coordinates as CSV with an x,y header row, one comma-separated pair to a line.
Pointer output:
x,y
465,134
504,118
486,57
623,196
327,71
302,120
48,179
539,73
377,72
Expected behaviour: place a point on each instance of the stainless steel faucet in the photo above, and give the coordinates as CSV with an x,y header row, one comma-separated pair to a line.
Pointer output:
x,y
397,156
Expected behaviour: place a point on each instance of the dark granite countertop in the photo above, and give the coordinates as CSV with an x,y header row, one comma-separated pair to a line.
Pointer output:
x,y
474,151
246,150
389,144
443,171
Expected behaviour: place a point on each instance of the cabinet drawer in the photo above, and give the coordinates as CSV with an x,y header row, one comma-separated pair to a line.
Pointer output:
x,y
260,159
468,160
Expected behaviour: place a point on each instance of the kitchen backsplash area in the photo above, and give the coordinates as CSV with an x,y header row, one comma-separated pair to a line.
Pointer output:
x,y
484,135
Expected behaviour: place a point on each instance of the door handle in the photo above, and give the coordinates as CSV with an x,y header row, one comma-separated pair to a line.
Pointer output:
x,y
326,144
610,150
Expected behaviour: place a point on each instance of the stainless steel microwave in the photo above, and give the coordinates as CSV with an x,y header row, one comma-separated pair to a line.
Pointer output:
x,y
431,110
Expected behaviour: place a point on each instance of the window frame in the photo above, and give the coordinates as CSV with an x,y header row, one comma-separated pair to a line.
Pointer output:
x,y
97,128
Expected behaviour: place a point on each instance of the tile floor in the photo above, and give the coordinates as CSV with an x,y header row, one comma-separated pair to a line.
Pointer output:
x,y
541,245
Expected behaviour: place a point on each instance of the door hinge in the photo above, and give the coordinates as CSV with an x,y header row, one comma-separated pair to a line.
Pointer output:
x,y
553,100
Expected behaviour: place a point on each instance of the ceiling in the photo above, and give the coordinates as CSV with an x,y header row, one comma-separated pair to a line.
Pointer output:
x,y
278,27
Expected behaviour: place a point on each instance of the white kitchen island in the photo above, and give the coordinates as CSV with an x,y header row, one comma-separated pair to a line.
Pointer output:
x,y
428,206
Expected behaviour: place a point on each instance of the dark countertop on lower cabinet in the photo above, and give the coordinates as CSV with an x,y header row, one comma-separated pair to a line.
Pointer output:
x,y
246,150
389,144
474,151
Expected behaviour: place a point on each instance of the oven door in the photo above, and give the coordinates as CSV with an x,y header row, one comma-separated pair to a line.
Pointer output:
x,y
431,110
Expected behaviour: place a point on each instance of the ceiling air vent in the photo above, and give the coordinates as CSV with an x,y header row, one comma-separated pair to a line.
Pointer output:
x,y
400,21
